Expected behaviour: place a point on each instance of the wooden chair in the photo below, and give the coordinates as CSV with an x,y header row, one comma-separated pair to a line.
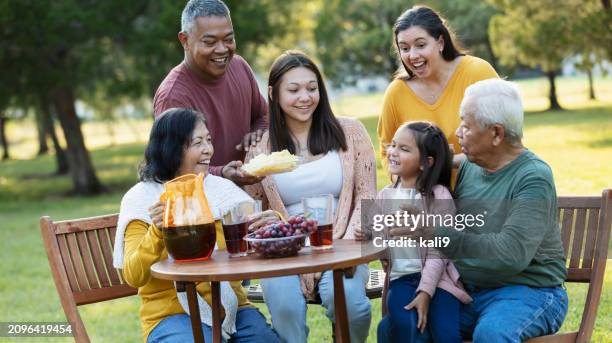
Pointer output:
x,y
585,230
80,254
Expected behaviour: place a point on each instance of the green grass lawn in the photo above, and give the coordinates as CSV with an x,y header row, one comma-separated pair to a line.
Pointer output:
x,y
577,143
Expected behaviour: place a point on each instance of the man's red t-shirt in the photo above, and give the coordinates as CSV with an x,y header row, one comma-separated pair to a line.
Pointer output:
x,y
232,106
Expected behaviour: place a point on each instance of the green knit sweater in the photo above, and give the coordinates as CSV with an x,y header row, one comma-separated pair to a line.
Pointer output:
x,y
520,241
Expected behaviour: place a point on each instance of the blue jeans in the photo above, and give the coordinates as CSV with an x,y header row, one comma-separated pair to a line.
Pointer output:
x,y
401,325
284,298
513,313
251,326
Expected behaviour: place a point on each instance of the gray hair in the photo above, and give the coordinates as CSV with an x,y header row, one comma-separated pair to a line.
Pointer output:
x,y
202,8
496,101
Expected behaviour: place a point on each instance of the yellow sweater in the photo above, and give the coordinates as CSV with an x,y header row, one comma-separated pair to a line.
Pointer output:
x,y
401,104
144,246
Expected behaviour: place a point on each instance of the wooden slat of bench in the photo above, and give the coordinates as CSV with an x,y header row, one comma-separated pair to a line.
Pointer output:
x,y
98,258
566,228
85,224
579,228
107,251
579,202
67,261
578,274
101,294
75,257
591,238
87,260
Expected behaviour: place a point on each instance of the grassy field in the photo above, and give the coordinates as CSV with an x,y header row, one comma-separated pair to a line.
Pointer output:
x,y
577,143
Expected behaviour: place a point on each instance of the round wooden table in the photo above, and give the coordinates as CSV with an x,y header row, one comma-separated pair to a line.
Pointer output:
x,y
220,267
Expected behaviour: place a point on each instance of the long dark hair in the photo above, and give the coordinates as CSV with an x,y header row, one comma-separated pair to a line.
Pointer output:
x,y
325,132
170,135
430,21
431,142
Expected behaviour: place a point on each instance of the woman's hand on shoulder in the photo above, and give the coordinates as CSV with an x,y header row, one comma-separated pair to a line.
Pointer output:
x,y
250,140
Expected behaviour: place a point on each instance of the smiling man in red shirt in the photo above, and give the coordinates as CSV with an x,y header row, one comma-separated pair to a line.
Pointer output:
x,y
215,81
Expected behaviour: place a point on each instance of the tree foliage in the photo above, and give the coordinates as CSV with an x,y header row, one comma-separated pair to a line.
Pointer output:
x,y
544,33
470,21
354,38
103,51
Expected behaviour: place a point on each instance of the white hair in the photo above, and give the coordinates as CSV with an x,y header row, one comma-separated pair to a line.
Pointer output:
x,y
496,101
202,8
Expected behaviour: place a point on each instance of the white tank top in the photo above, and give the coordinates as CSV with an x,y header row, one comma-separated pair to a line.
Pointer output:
x,y
323,176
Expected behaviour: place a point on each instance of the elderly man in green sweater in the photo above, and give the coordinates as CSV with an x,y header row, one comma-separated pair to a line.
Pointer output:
x,y
512,261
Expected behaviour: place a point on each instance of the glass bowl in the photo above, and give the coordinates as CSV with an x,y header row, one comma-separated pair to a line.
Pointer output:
x,y
277,246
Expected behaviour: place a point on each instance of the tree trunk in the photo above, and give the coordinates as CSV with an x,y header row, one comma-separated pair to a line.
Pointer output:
x,y
3,141
606,4
60,154
43,148
81,169
552,97
591,86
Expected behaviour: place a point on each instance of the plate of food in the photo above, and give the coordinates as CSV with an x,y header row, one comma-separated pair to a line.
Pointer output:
x,y
276,162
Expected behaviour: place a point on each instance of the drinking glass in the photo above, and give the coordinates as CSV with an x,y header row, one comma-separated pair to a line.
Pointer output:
x,y
320,208
394,198
235,226
258,209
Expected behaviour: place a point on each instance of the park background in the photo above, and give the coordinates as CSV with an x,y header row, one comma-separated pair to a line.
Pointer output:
x,y
78,78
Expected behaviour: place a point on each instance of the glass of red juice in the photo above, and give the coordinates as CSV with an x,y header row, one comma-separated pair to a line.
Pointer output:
x,y
258,209
235,227
320,208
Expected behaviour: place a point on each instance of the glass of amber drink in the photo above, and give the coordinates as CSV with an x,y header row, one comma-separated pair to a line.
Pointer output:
x,y
235,227
257,209
320,208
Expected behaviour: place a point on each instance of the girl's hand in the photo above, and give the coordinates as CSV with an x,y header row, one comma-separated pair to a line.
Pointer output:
x,y
156,212
262,218
362,234
421,304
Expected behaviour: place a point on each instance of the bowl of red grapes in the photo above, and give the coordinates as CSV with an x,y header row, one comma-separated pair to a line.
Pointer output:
x,y
281,239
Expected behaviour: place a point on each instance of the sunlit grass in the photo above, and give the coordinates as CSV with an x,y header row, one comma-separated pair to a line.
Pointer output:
x,y
572,93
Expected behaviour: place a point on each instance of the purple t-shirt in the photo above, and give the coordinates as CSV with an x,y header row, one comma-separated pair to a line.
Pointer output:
x,y
232,106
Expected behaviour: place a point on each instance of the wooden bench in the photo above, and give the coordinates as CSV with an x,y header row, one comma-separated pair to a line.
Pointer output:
x,y
374,288
80,256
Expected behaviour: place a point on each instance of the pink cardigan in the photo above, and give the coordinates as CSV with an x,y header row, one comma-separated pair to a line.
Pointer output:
x,y
438,271
358,178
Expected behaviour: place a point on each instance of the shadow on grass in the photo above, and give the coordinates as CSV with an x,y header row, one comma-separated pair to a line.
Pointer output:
x,y
601,143
574,117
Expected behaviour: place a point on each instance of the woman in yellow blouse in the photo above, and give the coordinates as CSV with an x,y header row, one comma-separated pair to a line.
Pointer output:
x,y
432,78
179,144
